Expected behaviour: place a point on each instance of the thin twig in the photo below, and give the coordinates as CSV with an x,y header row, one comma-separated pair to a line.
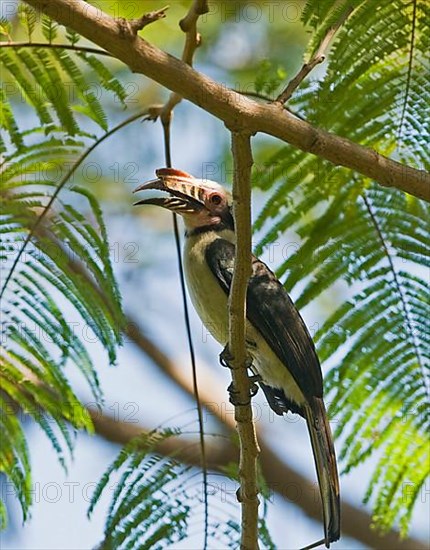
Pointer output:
x,y
248,492
266,98
196,392
136,25
257,95
409,73
203,462
189,26
317,58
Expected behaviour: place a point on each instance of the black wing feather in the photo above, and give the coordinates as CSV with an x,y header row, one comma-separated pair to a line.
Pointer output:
x,y
272,312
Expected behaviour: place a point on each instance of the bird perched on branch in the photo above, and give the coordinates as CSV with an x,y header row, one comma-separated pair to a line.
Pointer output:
x,y
282,354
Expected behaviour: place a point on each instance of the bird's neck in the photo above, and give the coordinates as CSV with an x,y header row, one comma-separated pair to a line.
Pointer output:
x,y
196,242
219,228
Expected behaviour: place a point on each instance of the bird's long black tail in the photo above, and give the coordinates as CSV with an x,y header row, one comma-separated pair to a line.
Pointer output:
x,y
325,462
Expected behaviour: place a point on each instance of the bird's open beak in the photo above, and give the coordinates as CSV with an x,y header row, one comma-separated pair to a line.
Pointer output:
x,y
184,196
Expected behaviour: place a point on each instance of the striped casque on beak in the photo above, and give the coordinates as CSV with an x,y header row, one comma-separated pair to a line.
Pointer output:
x,y
201,203
186,196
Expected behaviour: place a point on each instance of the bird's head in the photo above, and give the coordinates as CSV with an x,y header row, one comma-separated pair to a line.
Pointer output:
x,y
202,203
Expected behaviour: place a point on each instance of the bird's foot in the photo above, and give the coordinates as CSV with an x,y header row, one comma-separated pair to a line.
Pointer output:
x,y
253,389
226,357
248,362
234,396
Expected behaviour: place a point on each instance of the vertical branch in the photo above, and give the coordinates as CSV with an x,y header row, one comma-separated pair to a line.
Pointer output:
x,y
188,25
248,491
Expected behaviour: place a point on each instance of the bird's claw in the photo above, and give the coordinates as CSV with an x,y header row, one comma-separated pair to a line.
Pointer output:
x,y
225,357
253,388
248,362
234,397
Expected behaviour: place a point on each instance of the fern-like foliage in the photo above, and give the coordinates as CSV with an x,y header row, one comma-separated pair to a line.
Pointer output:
x,y
52,82
147,509
156,501
376,240
58,291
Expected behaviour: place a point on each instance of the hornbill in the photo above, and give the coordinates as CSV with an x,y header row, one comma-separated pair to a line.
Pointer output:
x,y
283,356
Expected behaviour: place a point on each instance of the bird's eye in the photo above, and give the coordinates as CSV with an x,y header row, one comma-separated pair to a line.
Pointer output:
x,y
215,199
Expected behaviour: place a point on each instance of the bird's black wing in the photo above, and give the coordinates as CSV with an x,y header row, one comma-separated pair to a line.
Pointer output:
x,y
272,312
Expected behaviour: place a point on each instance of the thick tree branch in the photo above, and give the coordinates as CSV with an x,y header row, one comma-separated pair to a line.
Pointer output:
x,y
241,390
189,25
228,105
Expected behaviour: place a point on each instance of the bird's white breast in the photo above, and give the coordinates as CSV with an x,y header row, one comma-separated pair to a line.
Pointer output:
x,y
209,299
211,304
